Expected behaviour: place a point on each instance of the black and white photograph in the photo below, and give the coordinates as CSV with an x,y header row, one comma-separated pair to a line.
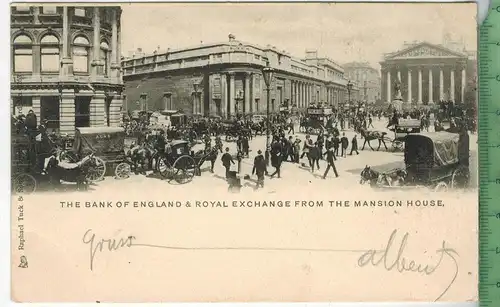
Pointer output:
x,y
350,114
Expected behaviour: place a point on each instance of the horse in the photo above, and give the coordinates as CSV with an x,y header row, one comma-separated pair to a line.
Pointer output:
x,y
203,156
142,156
373,135
375,178
69,172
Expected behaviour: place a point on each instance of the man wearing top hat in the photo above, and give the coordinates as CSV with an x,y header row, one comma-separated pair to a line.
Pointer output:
x,y
259,168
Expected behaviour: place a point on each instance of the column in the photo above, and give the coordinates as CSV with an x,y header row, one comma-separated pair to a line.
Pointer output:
x,y
462,88
67,112
201,102
441,83
115,110
115,60
246,107
409,86
399,75
452,84
231,94
252,93
96,109
224,95
389,98
419,85
66,60
431,94
36,107
96,63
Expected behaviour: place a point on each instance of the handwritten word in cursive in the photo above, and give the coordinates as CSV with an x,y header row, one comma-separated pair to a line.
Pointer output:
x,y
104,244
402,264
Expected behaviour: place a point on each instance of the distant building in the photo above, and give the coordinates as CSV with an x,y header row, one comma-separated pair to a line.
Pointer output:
x,y
66,65
225,79
367,78
429,73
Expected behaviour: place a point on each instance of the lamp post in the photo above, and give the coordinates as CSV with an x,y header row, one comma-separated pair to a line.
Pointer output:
x,y
267,73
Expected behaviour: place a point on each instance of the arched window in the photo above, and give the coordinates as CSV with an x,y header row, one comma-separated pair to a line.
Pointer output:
x,y
23,54
81,48
104,57
49,49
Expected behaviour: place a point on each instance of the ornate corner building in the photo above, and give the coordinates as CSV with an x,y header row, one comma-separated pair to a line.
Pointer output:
x,y
225,79
367,78
65,65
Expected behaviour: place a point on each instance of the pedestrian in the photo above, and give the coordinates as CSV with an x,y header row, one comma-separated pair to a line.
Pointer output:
x,y
330,157
336,145
276,158
344,141
354,145
218,143
259,168
239,157
291,126
227,160
246,146
320,142
296,150
314,156
305,148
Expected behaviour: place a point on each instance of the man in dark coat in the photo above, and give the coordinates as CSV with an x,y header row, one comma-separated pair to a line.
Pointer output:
x,y
336,145
227,159
30,123
314,155
344,141
245,145
259,168
330,157
354,145
276,158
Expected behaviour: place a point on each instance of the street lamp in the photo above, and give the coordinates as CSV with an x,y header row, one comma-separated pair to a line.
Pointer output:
x,y
267,73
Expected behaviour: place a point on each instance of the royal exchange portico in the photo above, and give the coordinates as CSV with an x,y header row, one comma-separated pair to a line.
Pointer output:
x,y
428,73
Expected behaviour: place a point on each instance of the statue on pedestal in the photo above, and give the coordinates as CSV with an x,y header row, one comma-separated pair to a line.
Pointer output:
x,y
397,102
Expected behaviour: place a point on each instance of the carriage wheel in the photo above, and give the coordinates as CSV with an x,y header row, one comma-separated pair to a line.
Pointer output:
x,y
184,169
441,187
24,184
397,145
164,168
123,170
460,178
97,170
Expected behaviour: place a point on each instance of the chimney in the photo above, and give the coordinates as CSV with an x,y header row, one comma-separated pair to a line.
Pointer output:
x,y
311,54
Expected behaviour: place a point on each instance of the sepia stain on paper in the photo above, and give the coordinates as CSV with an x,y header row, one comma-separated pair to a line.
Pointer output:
x,y
217,150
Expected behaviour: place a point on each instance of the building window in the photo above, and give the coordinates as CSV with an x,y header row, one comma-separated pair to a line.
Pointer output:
x,y
22,10
80,12
49,48
49,10
23,54
81,48
104,57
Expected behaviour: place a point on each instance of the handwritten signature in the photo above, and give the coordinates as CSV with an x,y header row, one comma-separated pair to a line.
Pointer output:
x,y
104,244
401,264
386,258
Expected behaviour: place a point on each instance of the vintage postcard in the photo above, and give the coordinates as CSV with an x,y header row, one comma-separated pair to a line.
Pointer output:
x,y
223,152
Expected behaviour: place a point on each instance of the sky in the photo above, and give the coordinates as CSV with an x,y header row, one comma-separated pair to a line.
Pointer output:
x,y
344,32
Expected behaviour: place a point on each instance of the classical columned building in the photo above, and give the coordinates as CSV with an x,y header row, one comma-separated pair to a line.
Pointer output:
x,y
66,65
225,79
428,73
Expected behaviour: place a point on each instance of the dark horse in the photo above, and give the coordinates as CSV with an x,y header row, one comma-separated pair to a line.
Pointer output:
x,y
142,157
373,135
69,172
374,178
202,156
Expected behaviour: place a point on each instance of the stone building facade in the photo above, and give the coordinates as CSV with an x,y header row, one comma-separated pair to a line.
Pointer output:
x,y
428,73
225,79
66,65
367,78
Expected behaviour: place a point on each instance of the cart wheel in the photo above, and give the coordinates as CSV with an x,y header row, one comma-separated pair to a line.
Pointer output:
x,y
441,187
164,168
397,145
97,170
184,169
24,184
123,170
460,178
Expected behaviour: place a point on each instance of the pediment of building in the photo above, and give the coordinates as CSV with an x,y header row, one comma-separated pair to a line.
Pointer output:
x,y
425,50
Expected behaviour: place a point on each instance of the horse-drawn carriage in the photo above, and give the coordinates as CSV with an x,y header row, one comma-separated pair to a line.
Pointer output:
x,y
438,160
107,144
35,160
315,119
401,129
